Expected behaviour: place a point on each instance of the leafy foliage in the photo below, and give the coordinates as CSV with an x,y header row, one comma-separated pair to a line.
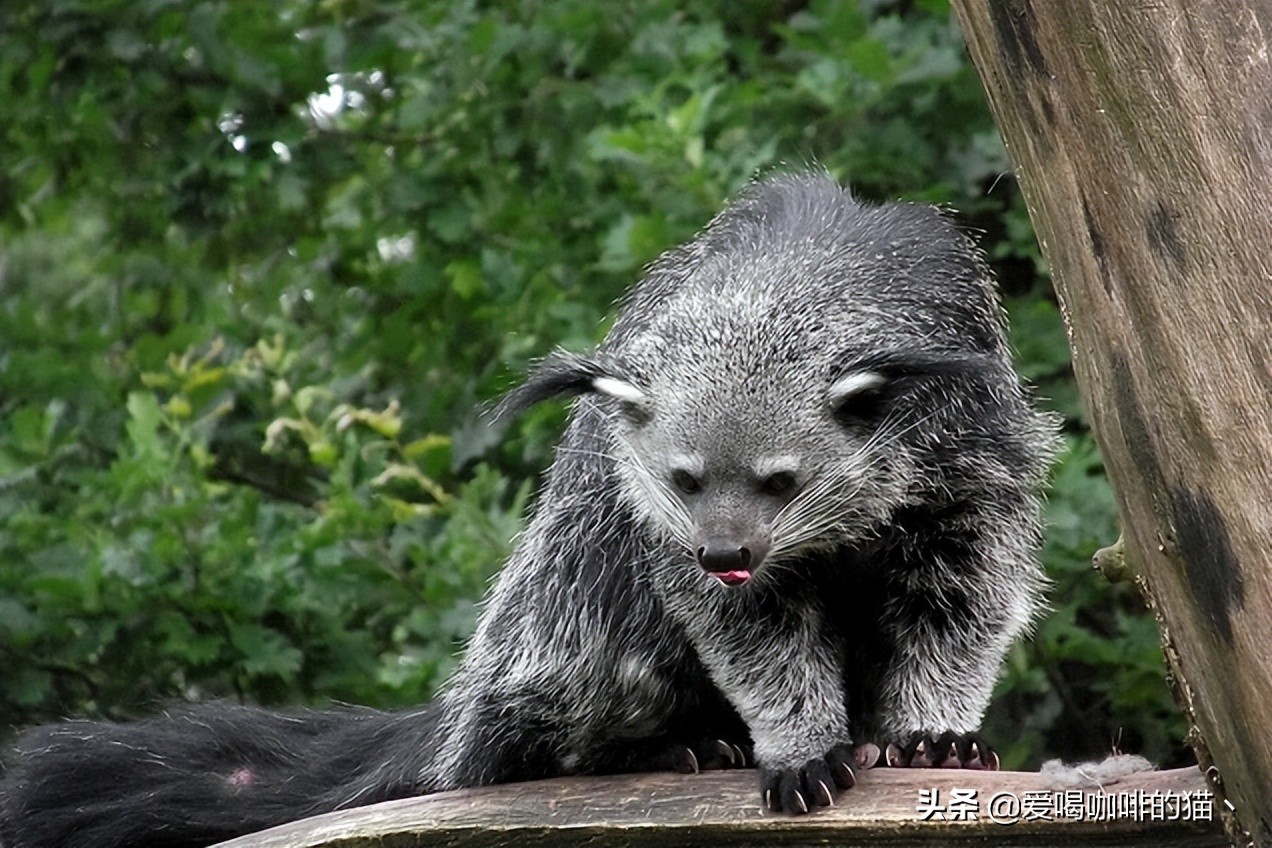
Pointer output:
x,y
263,263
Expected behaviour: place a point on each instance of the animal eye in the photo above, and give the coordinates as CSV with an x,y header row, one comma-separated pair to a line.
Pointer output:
x,y
862,406
779,483
686,482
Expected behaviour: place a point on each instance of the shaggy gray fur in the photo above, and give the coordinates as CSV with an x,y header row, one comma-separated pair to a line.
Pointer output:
x,y
795,510
856,355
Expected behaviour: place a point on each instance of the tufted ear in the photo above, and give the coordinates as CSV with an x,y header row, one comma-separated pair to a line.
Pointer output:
x,y
563,374
855,384
864,389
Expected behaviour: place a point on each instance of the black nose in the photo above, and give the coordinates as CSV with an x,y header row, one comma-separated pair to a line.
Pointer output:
x,y
724,555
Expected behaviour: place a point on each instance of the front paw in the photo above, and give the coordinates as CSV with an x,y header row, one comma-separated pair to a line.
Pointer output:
x,y
797,790
704,755
949,750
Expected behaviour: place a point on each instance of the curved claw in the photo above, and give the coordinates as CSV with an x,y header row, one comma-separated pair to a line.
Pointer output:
x,y
685,760
797,790
949,750
703,755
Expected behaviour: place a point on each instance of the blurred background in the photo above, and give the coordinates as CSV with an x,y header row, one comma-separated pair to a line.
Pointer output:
x,y
262,264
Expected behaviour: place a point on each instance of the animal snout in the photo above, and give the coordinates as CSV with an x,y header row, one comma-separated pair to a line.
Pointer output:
x,y
720,555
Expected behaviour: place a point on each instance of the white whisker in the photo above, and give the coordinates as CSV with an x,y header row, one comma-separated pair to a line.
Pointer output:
x,y
806,519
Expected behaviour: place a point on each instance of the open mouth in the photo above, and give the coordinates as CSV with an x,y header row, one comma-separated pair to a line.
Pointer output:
x,y
735,577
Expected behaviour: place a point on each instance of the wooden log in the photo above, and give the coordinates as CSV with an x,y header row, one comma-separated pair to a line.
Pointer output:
x,y
1141,133
722,809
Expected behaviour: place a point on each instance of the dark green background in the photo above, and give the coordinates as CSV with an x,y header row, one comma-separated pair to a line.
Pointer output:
x,y
245,334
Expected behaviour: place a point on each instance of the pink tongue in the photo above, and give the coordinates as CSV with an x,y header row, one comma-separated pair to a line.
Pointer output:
x,y
732,578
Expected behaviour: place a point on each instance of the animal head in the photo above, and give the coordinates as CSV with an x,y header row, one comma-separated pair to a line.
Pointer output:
x,y
782,383
741,464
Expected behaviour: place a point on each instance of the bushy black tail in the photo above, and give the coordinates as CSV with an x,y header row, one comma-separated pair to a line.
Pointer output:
x,y
208,773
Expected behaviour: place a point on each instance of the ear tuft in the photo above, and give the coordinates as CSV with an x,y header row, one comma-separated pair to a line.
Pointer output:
x,y
621,390
855,383
559,374
563,374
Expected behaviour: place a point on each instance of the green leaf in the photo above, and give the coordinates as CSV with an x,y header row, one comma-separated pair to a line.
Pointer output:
x,y
144,419
264,652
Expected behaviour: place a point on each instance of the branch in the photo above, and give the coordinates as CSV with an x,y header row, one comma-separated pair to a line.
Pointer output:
x,y
722,808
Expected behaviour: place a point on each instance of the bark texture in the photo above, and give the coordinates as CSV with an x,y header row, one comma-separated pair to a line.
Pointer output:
x,y
1141,133
722,809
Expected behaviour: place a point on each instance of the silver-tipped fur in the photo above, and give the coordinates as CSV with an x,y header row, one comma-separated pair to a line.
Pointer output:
x,y
795,509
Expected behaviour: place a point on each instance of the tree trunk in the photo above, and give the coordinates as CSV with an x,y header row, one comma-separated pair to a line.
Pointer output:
x,y
1141,133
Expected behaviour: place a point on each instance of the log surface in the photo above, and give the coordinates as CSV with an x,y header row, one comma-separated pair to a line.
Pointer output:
x,y
722,809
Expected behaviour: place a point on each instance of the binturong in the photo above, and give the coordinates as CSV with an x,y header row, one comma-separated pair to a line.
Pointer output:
x,y
793,521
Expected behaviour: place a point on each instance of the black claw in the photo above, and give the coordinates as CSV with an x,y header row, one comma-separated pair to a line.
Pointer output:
x,y
768,789
815,777
921,753
686,760
797,790
840,761
717,754
703,755
827,796
949,750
